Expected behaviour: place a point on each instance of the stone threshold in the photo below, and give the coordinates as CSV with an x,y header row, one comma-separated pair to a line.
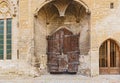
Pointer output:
x,y
62,79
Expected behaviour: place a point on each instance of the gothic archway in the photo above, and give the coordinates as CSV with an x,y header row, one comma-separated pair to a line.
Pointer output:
x,y
57,13
48,1
109,57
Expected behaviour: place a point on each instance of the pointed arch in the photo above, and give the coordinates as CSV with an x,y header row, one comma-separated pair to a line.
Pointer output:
x,y
1,1
109,57
110,39
62,27
47,8
48,1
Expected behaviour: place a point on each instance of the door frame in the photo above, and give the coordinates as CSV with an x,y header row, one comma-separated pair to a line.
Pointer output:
x,y
109,69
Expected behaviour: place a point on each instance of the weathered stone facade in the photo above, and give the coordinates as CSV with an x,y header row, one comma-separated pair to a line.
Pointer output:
x,y
34,20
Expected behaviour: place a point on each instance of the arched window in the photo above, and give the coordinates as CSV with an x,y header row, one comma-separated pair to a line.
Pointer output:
x,y
109,60
5,31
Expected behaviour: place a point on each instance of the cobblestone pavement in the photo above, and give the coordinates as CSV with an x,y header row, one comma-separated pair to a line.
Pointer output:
x,y
65,79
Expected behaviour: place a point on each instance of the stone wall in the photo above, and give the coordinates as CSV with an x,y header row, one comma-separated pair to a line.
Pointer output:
x,y
29,35
99,28
104,25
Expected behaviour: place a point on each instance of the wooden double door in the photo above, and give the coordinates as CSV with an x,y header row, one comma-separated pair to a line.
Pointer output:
x,y
109,60
63,52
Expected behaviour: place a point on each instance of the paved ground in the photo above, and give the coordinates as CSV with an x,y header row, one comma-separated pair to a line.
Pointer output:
x,y
64,79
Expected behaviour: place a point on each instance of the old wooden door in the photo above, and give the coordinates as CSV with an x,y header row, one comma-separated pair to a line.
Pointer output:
x,y
109,60
63,51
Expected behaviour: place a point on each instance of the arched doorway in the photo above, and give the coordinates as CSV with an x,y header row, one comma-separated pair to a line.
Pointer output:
x,y
63,52
61,14
109,60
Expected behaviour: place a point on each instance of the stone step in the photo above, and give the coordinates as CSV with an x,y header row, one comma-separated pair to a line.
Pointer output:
x,y
65,79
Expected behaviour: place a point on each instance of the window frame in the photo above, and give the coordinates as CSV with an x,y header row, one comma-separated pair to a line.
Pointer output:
x,y
5,56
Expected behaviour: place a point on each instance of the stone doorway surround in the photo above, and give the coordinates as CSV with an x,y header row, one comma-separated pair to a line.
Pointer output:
x,y
62,13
